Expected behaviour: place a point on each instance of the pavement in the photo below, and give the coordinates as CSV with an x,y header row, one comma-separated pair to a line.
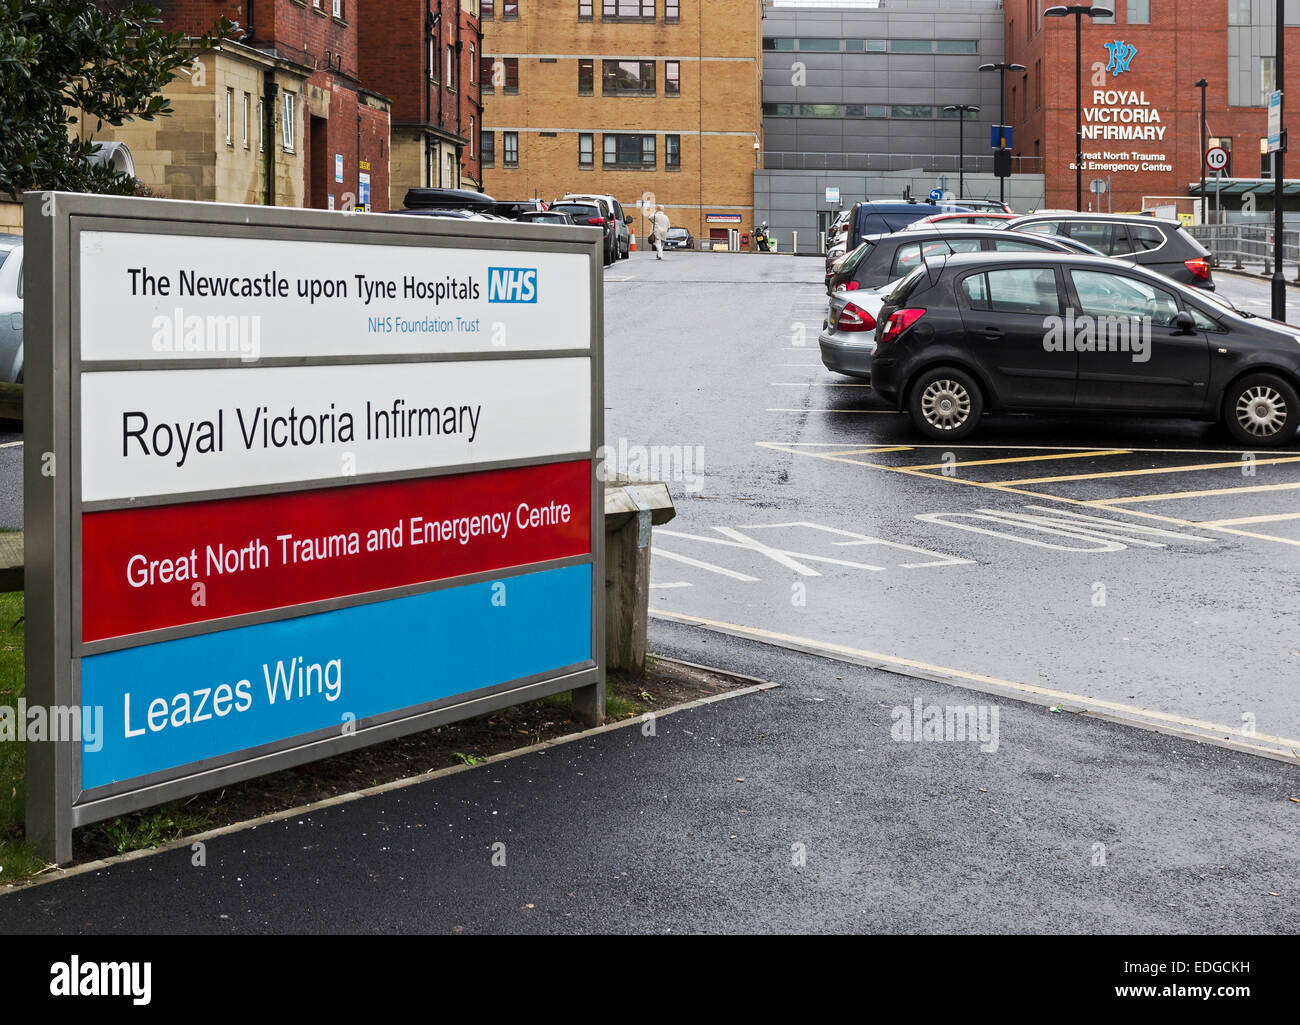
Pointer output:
x,y
788,810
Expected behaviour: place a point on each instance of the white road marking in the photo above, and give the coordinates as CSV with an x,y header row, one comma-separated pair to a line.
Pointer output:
x,y
703,565
668,587
11,444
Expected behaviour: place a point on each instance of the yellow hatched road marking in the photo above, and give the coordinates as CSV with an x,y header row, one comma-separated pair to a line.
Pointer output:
x,y
1028,459
1241,521
1148,471
1169,496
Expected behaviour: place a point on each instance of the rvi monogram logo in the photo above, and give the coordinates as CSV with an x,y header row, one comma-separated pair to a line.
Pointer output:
x,y
1121,56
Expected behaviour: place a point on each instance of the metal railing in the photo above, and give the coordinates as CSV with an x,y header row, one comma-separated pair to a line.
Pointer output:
x,y
924,163
1248,247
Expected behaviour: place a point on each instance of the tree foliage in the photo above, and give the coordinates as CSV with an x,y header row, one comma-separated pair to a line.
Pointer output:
x,y
68,61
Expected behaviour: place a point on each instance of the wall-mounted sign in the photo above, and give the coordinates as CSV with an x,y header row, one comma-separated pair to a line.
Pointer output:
x,y
1274,121
321,483
832,195
723,219
338,167
1121,56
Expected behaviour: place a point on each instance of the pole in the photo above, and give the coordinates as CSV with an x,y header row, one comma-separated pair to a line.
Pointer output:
x,y
1279,176
1204,198
961,153
1002,121
1078,109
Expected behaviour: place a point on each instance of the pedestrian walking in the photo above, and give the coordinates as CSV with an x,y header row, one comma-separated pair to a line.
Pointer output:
x,y
659,226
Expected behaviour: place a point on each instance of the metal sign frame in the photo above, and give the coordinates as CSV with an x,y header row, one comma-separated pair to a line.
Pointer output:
x,y
53,511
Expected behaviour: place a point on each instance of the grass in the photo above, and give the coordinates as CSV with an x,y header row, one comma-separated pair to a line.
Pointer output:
x,y
17,860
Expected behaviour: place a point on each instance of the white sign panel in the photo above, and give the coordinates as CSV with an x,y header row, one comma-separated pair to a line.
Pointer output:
x,y
158,297
1274,121
171,432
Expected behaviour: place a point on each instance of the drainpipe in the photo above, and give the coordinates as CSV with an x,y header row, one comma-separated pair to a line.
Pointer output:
x,y
269,89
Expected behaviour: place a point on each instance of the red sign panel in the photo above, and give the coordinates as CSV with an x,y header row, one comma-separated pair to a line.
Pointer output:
x,y
144,569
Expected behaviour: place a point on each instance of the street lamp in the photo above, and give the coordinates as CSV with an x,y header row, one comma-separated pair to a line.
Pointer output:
x,y
1002,67
1202,85
962,110
1077,11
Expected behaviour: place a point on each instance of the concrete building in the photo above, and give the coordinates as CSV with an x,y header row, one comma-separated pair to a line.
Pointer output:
x,y
277,114
1141,106
853,99
639,99
423,54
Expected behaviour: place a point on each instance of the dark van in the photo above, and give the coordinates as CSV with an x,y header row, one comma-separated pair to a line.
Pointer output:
x,y
881,218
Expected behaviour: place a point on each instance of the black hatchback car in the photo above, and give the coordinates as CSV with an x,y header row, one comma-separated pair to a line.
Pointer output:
x,y
1159,245
1078,333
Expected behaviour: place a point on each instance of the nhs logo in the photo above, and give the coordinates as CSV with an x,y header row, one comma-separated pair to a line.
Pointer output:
x,y
512,284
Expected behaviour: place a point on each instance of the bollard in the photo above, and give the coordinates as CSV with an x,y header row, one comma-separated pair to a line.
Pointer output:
x,y
631,510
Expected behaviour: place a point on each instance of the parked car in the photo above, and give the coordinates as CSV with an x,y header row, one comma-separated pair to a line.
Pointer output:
x,y
990,205
987,219
848,337
595,212
448,199
1159,245
880,218
1030,333
11,309
679,238
546,217
882,260
837,229
622,233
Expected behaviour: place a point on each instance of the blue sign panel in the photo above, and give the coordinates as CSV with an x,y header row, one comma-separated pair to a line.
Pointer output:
x,y
203,697
1000,137
1121,56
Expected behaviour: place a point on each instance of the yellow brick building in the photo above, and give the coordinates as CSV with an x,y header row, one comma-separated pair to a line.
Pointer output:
x,y
631,98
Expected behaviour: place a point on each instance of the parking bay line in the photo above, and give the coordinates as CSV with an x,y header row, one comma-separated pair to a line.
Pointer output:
x,y
817,384
1169,496
881,412
1280,748
1152,470
1242,521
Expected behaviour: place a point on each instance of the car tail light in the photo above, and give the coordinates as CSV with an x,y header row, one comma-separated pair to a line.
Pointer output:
x,y
898,322
855,318
1200,267
851,286
596,221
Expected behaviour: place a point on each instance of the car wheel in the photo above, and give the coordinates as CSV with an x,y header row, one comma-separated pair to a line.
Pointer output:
x,y
1261,410
945,403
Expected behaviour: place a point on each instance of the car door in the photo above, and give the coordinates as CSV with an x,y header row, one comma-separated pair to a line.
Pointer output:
x,y
1008,313
1132,355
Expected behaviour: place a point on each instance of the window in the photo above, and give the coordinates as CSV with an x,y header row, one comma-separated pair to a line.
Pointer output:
x,y
1146,239
672,78
586,150
1011,245
909,257
641,10
511,148
287,122
487,10
1043,228
338,9
778,44
248,102
778,109
820,45
630,151
485,74
1102,294
451,67
1267,78
1139,12
509,10
672,10
911,46
431,58
821,110
673,152
584,10
261,126
1038,85
958,46
230,116
473,63
472,133
586,77
911,110
487,147
1103,236
1029,290
628,78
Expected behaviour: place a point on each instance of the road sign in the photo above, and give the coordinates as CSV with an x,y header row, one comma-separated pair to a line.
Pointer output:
x,y
1000,136
1098,185
1216,158
297,510
832,194
1274,121
936,195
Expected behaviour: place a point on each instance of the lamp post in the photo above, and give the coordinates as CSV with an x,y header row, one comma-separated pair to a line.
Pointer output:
x,y
1202,85
1279,177
1078,11
962,110
1002,67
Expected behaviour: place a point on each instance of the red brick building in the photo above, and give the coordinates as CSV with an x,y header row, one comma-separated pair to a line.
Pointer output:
x,y
423,54
343,126
1141,107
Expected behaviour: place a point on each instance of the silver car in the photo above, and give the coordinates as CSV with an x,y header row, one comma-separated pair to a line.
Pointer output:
x,y
11,309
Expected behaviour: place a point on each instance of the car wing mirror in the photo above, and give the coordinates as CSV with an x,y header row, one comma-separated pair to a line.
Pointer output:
x,y
1184,323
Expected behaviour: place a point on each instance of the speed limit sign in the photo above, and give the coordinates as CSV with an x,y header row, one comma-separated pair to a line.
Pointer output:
x,y
1216,158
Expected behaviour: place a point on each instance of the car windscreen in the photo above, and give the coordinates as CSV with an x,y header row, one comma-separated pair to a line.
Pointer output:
x,y
578,211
